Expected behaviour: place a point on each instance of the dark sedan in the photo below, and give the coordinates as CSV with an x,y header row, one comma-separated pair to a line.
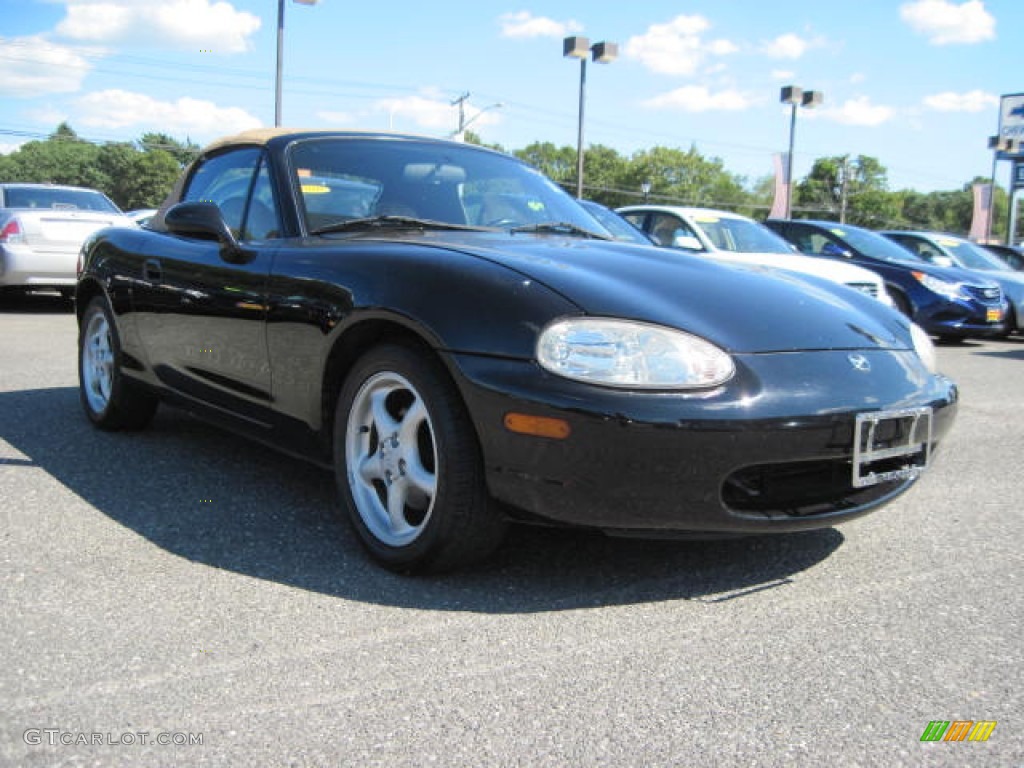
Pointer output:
x,y
950,250
947,302
465,346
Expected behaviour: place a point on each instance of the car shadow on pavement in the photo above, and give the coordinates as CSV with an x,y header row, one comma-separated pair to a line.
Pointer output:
x,y
225,502
51,303
1011,348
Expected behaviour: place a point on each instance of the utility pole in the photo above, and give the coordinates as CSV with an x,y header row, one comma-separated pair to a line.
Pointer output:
x,y
844,177
461,101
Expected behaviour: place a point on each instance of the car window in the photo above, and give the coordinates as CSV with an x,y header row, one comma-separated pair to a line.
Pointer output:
x,y
462,185
972,256
740,235
666,227
226,180
58,198
921,248
871,244
806,240
261,219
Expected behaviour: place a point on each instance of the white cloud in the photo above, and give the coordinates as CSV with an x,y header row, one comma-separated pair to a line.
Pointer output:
x,y
428,111
6,149
525,24
857,78
697,98
972,101
184,116
783,74
944,22
33,66
788,46
338,118
677,47
859,112
208,25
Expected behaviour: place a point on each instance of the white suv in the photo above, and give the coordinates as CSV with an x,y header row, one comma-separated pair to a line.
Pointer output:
x,y
726,236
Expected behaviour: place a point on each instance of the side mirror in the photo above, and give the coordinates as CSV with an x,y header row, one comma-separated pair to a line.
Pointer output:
x,y
689,242
203,221
834,251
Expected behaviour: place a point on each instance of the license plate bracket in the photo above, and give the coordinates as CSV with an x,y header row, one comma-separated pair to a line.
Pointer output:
x,y
891,445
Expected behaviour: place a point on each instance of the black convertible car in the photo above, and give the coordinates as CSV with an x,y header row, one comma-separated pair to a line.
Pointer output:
x,y
466,346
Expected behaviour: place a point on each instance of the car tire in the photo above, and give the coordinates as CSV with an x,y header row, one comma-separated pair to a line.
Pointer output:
x,y
408,464
111,401
1010,318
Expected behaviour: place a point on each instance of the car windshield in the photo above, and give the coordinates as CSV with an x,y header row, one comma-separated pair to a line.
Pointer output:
x,y
342,179
740,235
58,198
969,255
873,245
620,228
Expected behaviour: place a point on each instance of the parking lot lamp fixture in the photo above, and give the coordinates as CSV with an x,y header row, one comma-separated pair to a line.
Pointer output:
x,y
795,96
603,53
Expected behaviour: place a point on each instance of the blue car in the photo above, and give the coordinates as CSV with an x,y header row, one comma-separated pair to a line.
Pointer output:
x,y
950,250
947,302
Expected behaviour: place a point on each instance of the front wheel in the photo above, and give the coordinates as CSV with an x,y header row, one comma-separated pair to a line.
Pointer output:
x,y
408,465
111,401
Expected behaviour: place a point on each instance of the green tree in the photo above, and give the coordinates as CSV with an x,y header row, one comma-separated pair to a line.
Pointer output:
x,y
62,158
183,152
557,163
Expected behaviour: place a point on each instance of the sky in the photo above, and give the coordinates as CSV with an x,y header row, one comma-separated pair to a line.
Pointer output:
x,y
913,83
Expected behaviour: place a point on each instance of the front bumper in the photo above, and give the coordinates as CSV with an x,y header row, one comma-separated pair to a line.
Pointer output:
x,y
771,451
966,319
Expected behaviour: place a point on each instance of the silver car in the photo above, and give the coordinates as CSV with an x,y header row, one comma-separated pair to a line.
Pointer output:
x,y
42,228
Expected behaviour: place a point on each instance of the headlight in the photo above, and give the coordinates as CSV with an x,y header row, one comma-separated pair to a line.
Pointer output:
x,y
631,355
923,346
941,287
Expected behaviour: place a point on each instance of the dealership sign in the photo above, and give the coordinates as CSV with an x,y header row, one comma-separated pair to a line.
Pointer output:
x,y
1011,123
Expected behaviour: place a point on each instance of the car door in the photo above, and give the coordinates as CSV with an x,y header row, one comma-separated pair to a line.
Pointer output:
x,y
201,309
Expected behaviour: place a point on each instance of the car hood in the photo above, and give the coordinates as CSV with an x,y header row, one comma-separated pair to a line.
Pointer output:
x,y
949,274
829,270
742,309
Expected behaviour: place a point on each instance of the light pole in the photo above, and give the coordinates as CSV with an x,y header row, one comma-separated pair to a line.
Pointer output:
x,y
280,55
645,187
603,53
795,97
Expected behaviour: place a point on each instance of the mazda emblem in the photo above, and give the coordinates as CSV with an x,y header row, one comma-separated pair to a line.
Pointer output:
x,y
859,362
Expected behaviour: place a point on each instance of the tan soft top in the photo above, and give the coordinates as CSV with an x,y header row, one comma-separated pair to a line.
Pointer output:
x,y
261,136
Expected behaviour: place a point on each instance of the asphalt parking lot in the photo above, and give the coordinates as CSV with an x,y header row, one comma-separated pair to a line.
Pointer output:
x,y
183,585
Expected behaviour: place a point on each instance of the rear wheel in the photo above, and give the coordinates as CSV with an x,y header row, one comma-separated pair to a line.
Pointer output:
x,y
408,465
111,401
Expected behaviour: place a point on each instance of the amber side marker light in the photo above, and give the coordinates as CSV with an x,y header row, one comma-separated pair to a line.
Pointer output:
x,y
538,426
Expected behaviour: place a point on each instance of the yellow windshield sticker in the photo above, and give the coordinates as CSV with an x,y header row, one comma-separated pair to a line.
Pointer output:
x,y
315,189
838,232
707,219
947,242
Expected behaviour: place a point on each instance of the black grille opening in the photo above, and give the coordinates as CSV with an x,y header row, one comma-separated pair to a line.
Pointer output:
x,y
799,489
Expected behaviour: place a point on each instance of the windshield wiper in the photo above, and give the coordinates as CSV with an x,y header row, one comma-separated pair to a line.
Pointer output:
x,y
381,222
560,228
